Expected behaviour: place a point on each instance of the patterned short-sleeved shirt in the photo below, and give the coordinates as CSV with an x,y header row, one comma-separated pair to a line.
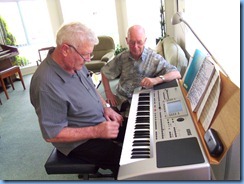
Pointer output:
x,y
131,71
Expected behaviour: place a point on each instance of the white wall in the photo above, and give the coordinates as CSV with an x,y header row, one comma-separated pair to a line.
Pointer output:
x,y
55,13
229,168
217,23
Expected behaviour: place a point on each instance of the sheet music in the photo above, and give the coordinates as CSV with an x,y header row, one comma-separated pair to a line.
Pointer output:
x,y
200,84
207,94
207,112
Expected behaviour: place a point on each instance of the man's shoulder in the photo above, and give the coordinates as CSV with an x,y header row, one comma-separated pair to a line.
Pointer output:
x,y
149,53
123,55
149,50
119,59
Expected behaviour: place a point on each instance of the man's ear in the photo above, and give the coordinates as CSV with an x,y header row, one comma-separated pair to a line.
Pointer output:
x,y
65,49
127,40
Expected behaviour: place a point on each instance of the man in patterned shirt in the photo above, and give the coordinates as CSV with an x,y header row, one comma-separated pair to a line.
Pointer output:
x,y
138,66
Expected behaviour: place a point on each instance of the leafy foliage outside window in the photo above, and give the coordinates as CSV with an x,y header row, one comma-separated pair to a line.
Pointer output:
x,y
9,39
162,21
119,49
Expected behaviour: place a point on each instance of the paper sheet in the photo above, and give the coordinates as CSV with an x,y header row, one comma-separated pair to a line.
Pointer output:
x,y
200,84
208,110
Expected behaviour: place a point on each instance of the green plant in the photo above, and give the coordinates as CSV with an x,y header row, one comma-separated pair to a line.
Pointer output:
x,y
119,49
9,39
162,22
20,61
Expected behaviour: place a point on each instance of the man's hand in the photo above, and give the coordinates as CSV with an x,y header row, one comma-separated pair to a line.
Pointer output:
x,y
107,130
111,115
149,82
111,98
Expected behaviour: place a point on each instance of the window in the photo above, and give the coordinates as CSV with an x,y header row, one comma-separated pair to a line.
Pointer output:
x,y
147,14
29,22
102,18
99,15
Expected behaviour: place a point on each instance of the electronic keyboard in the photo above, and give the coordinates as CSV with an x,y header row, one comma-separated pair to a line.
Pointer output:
x,y
161,142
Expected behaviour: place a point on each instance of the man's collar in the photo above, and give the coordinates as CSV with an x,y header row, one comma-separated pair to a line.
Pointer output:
x,y
65,76
143,55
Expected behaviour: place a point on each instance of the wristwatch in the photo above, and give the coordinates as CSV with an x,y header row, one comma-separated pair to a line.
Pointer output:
x,y
106,105
161,77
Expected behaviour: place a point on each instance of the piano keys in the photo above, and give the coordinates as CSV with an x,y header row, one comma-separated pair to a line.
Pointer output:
x,y
6,53
161,142
141,138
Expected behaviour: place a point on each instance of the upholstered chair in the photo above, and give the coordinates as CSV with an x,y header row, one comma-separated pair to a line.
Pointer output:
x,y
103,53
173,53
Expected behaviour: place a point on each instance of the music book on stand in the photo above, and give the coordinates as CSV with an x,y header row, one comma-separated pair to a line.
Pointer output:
x,y
193,68
204,92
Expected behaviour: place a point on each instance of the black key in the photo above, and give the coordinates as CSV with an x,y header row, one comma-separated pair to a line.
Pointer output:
x,y
141,136
140,156
140,144
142,126
143,98
141,133
140,149
140,108
140,153
144,94
137,141
144,103
142,119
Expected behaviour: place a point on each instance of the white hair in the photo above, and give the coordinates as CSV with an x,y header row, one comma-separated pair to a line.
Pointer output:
x,y
76,33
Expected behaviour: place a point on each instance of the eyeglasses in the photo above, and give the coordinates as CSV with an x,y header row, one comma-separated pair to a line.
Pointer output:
x,y
140,43
82,56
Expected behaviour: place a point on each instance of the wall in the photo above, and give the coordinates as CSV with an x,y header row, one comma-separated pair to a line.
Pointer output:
x,y
217,23
122,21
229,168
55,14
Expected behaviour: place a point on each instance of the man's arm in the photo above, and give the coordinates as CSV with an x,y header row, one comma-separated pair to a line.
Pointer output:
x,y
150,82
169,76
109,113
108,92
104,130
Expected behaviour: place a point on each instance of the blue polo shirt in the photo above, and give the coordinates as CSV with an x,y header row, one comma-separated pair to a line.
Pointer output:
x,y
64,100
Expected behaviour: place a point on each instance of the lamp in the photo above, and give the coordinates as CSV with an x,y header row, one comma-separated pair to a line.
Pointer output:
x,y
178,18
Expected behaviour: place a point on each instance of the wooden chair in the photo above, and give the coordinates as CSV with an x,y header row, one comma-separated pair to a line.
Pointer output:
x,y
6,74
42,54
